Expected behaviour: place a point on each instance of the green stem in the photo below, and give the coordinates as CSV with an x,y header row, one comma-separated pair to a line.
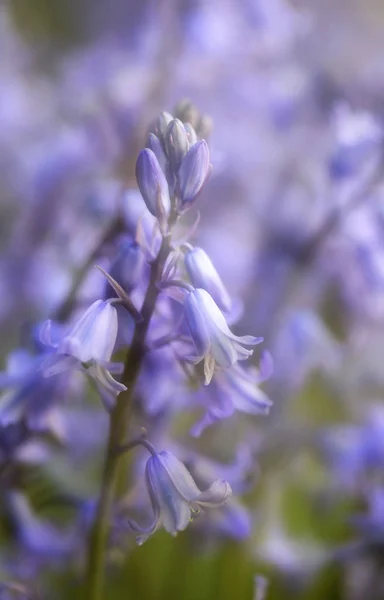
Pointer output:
x,y
119,421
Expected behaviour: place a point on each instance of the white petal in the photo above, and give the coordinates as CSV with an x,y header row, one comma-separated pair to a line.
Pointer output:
x,y
209,368
105,378
215,495
45,334
255,403
57,363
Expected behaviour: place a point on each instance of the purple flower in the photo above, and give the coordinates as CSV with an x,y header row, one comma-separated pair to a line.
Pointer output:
x,y
203,275
29,395
174,495
194,172
153,184
37,536
235,390
89,344
128,267
214,341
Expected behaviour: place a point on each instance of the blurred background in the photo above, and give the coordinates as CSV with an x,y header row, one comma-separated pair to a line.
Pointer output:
x,y
292,93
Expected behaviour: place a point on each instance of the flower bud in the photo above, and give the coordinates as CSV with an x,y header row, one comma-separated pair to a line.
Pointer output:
x,y
176,143
187,112
203,275
152,184
159,127
191,134
87,344
154,144
194,172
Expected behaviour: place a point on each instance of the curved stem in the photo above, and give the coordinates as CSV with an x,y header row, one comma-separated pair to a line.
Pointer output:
x,y
120,417
134,443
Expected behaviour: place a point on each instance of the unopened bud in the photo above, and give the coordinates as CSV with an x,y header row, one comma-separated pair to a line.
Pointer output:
x,y
152,184
194,172
176,143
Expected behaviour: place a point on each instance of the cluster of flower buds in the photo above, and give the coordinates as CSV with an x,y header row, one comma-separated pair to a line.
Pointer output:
x,y
172,170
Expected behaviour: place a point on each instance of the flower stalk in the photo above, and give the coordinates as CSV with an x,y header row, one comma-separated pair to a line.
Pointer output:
x,y
119,422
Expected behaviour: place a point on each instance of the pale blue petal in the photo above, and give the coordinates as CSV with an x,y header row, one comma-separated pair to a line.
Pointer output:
x,y
215,495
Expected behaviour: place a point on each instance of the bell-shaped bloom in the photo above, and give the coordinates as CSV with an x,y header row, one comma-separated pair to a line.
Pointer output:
x,y
213,340
29,396
194,172
174,495
153,184
235,390
87,344
35,535
203,275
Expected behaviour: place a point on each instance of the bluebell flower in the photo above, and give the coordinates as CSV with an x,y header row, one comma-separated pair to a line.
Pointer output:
x,y
28,394
234,389
87,344
203,275
128,267
356,450
232,519
153,184
174,495
214,341
194,172
36,535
